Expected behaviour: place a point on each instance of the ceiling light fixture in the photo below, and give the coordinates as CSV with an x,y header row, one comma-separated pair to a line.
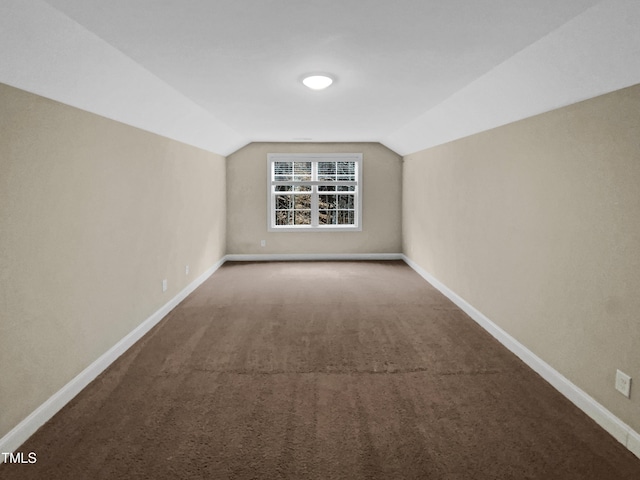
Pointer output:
x,y
317,82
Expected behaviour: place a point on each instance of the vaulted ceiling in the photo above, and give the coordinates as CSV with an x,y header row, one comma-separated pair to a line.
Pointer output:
x,y
409,73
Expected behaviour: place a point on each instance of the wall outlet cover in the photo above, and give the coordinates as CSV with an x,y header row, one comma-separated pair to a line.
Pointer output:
x,y
623,383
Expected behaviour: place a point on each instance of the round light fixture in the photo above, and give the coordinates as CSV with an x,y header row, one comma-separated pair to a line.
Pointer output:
x,y
317,82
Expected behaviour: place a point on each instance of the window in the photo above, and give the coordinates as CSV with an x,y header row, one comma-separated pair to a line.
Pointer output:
x,y
315,191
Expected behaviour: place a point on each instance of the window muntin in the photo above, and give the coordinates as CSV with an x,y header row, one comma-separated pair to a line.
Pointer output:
x,y
315,191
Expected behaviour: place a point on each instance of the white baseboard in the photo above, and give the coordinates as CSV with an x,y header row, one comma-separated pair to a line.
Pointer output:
x,y
633,442
21,432
278,257
603,417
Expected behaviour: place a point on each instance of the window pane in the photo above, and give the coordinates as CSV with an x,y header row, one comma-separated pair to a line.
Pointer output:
x,y
326,171
302,188
283,171
327,217
284,202
303,217
283,188
346,171
327,188
301,171
327,202
346,201
345,217
284,217
346,188
302,202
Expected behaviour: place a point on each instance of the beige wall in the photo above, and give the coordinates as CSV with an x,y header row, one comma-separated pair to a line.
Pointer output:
x,y
537,225
247,203
93,215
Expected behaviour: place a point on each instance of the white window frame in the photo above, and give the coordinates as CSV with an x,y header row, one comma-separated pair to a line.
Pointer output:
x,y
314,158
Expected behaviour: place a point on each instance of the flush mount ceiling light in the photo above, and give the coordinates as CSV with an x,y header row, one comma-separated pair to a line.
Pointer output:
x,y
317,82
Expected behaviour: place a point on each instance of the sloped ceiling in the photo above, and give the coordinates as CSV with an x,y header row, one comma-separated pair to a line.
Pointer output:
x,y
410,74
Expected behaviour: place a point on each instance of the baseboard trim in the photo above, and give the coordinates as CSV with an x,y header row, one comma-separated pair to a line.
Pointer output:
x,y
279,257
27,427
633,442
603,417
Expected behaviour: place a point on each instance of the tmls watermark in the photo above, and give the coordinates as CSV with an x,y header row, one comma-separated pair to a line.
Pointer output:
x,y
19,457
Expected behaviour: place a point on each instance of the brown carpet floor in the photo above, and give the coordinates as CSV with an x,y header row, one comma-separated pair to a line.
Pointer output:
x,y
320,370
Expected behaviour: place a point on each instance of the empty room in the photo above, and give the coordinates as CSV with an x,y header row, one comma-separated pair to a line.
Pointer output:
x,y
263,239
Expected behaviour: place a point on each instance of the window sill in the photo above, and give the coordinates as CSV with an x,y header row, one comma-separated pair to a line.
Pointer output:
x,y
313,229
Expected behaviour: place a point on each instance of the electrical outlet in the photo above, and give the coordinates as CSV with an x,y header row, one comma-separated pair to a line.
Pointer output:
x,y
623,383
164,285
263,243
186,270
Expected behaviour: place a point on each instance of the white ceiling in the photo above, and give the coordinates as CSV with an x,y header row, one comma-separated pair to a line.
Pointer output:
x,y
409,73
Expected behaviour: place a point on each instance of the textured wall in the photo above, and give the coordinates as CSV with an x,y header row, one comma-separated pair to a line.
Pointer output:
x,y
537,225
247,203
93,215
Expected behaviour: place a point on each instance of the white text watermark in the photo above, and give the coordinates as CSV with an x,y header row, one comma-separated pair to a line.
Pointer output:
x,y
19,457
